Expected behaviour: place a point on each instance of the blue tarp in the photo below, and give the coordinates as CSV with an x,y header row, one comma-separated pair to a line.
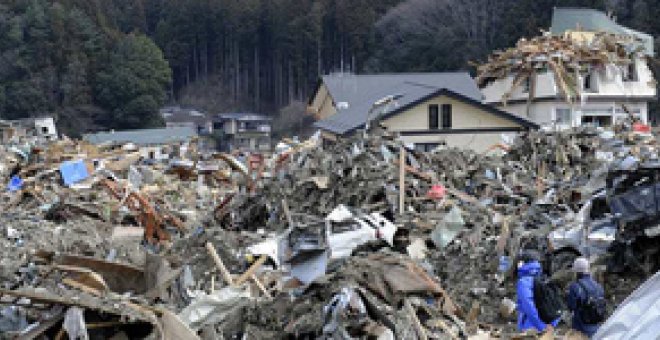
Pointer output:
x,y
15,183
73,172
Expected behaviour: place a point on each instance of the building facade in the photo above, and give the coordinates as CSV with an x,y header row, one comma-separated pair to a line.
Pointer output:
x,y
608,93
426,109
244,131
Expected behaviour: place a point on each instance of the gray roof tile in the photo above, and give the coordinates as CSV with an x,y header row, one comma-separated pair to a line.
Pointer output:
x,y
355,94
144,136
565,19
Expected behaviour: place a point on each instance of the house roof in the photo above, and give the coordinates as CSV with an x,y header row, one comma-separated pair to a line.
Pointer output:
x,y
144,136
185,116
586,19
354,95
470,101
243,116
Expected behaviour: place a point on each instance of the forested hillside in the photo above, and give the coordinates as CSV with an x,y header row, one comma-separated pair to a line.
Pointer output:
x,y
101,64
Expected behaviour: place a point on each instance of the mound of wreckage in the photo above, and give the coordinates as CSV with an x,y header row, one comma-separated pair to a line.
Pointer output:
x,y
568,57
362,238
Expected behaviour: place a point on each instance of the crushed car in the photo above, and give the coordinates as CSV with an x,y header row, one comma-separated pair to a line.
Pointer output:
x,y
622,220
341,232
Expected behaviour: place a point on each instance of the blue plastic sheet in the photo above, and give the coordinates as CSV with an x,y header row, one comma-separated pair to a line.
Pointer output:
x,y
15,183
73,172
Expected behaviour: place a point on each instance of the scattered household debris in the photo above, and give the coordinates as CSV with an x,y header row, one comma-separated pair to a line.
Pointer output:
x,y
360,238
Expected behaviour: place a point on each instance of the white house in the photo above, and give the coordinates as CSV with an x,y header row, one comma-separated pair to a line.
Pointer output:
x,y
605,91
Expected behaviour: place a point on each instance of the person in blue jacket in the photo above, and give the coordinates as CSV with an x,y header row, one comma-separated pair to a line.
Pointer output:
x,y
528,316
577,295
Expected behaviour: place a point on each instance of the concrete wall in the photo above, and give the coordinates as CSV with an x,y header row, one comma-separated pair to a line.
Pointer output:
x,y
544,113
610,82
545,87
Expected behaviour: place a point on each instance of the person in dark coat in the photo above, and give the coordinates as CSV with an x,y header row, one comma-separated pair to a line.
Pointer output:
x,y
578,293
528,315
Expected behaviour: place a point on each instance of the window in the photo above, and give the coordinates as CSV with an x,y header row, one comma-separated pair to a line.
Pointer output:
x,y
433,117
563,116
597,121
526,85
630,72
426,147
446,116
589,82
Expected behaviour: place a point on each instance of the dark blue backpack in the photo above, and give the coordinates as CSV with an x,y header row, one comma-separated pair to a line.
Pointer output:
x,y
594,308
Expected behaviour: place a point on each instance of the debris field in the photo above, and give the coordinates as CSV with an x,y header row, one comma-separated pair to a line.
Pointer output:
x,y
361,238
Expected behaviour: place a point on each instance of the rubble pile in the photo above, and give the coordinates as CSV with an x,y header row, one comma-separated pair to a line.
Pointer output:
x,y
315,241
568,57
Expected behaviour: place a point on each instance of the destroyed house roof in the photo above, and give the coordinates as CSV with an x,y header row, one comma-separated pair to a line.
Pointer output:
x,y
354,95
585,19
144,136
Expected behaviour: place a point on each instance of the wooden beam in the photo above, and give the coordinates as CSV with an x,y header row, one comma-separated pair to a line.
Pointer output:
x,y
421,332
219,264
255,266
261,286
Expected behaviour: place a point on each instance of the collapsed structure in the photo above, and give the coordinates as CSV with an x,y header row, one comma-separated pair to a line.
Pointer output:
x,y
360,238
586,70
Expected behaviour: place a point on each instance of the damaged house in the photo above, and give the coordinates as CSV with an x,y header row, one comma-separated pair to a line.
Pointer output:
x,y
426,109
40,128
588,70
152,143
244,131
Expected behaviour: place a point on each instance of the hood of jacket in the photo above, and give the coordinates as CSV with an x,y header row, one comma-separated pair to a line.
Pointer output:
x,y
530,269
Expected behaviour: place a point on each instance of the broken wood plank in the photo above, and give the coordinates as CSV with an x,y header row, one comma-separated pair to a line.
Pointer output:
x,y
219,264
421,332
287,212
85,276
443,325
119,277
261,286
255,266
75,284
44,326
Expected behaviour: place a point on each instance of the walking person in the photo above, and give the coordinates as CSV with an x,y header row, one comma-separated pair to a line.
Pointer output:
x,y
586,299
529,316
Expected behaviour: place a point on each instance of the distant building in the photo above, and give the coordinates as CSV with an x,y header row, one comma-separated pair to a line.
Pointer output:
x,y
244,131
427,109
37,129
151,142
604,88
179,117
